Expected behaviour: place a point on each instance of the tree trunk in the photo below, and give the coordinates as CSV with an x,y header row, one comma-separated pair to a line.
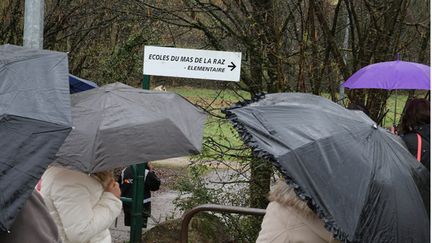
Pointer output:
x,y
261,171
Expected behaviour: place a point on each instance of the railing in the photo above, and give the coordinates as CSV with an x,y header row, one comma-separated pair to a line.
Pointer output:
x,y
187,216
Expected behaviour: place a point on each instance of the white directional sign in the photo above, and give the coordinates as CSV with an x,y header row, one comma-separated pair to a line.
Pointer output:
x,y
192,63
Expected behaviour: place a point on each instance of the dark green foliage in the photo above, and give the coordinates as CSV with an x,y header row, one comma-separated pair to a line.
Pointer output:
x,y
126,62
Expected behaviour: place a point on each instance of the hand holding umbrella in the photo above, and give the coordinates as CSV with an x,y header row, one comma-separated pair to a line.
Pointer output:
x,y
114,188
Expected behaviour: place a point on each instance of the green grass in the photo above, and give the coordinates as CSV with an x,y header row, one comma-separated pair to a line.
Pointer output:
x,y
400,103
400,100
221,131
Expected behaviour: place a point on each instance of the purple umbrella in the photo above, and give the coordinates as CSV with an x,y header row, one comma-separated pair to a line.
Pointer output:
x,y
391,75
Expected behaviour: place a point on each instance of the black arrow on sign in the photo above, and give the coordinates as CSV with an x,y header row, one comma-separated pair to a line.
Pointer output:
x,y
232,66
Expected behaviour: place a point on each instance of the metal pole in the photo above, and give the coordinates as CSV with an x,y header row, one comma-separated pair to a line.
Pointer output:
x,y
137,203
395,107
138,190
146,82
33,24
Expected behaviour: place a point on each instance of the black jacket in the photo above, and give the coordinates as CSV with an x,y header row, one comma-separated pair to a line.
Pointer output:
x,y
410,140
152,183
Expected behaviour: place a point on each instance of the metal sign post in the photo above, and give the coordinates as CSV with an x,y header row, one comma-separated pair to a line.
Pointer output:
x,y
138,172
146,82
177,62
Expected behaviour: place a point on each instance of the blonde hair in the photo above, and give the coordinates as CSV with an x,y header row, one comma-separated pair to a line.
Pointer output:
x,y
285,195
104,177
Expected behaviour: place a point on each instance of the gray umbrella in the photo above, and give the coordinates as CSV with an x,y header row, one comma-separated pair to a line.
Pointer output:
x,y
117,125
356,176
34,121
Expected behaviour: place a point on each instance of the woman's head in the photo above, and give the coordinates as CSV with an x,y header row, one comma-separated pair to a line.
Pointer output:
x,y
417,112
104,177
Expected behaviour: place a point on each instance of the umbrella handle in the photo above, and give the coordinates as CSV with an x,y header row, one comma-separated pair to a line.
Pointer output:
x,y
394,117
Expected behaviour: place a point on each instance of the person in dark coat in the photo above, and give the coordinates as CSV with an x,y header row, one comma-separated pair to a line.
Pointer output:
x,y
151,183
33,224
415,129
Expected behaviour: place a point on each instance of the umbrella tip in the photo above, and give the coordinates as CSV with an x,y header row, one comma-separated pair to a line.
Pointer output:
x,y
398,56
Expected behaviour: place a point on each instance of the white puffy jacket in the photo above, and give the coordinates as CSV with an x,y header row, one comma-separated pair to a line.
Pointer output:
x,y
288,219
78,204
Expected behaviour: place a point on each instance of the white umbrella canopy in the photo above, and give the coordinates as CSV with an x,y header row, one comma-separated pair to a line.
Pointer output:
x,y
118,125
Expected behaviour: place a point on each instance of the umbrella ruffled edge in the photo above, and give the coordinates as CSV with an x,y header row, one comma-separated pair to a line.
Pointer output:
x,y
258,152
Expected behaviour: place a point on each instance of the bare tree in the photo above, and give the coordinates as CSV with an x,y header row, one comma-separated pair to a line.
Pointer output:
x,y
378,32
294,45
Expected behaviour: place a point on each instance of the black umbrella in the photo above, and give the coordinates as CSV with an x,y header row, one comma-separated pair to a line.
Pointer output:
x,y
356,176
34,121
